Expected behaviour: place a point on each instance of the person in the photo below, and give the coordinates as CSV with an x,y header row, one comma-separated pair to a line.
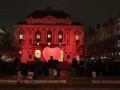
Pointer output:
x,y
33,71
18,69
81,67
52,67
19,77
74,67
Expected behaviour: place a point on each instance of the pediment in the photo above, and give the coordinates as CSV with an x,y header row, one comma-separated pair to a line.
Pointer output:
x,y
49,18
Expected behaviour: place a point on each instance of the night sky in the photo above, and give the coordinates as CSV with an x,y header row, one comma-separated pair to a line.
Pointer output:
x,y
88,12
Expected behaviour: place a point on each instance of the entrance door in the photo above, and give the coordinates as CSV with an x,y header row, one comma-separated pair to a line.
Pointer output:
x,y
61,56
37,53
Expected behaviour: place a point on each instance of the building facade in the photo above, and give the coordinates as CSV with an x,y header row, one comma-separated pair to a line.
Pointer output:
x,y
107,38
48,33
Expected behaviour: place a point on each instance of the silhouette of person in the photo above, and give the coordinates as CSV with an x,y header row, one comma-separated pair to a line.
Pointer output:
x,y
52,67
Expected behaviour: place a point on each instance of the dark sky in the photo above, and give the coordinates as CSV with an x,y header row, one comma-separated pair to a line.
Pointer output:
x,y
88,12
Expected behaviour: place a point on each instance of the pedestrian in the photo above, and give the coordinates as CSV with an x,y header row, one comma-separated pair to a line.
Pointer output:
x,y
52,67
19,77
18,69
30,77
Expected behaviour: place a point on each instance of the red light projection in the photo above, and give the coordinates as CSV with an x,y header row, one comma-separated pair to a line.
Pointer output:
x,y
49,33
55,52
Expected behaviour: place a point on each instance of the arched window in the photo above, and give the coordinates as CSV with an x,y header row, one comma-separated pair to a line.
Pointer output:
x,y
38,36
21,35
60,36
77,39
49,36
20,38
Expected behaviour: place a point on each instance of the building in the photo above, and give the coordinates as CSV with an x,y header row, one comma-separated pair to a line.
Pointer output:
x,y
48,33
107,38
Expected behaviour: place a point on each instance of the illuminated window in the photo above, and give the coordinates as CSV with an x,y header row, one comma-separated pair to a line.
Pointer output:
x,y
60,36
77,37
49,36
21,36
38,36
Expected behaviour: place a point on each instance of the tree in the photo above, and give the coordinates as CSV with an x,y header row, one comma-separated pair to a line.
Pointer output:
x,y
6,43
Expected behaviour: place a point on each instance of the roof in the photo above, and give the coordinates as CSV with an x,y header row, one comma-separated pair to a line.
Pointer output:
x,y
44,13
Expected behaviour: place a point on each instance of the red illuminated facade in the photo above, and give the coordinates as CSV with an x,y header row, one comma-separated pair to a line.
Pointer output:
x,y
49,33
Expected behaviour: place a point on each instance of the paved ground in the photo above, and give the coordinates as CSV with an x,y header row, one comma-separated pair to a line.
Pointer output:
x,y
71,83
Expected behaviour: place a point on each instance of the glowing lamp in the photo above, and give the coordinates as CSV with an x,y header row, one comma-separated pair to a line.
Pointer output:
x,y
49,43
37,53
38,43
20,52
60,44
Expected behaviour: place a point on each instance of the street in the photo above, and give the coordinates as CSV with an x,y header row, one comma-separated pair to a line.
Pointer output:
x,y
60,84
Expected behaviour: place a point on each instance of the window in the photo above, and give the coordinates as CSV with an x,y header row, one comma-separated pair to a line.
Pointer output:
x,y
30,56
38,36
60,36
68,56
77,37
21,36
30,41
49,36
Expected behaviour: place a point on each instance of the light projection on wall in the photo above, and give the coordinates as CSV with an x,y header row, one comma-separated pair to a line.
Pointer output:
x,y
46,36
37,53
55,52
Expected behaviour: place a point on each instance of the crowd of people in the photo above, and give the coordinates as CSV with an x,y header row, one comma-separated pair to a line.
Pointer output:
x,y
52,68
